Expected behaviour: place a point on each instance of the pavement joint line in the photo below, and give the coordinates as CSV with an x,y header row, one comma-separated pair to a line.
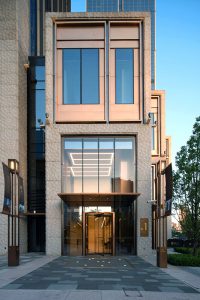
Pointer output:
x,y
24,269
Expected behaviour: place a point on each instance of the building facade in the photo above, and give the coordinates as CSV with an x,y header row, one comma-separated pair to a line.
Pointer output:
x,y
14,51
95,136
37,21
98,112
128,6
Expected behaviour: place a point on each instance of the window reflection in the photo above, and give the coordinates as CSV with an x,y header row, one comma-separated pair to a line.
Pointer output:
x,y
80,76
124,76
71,76
124,165
73,231
125,223
90,76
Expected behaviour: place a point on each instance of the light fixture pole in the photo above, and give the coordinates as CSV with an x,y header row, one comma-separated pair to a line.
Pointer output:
x,y
13,217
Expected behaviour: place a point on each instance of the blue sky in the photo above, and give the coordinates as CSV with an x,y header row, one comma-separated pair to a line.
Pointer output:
x,y
178,64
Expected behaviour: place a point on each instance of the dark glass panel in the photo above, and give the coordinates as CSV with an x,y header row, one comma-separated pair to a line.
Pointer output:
x,y
124,225
36,234
102,5
90,76
47,5
36,153
71,76
55,5
73,227
124,76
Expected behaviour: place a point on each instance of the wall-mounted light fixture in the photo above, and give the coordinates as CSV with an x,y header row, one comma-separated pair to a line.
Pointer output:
x,y
13,164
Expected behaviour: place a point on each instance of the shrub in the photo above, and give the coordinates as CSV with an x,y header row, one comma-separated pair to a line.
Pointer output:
x,y
185,250
183,260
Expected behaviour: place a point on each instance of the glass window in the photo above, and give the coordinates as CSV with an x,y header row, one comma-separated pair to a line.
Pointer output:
x,y
90,165
80,76
73,227
124,229
124,76
153,127
71,76
40,107
99,165
72,166
90,76
106,165
124,165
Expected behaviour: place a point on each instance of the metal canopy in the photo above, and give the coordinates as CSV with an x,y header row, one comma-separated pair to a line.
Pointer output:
x,y
103,196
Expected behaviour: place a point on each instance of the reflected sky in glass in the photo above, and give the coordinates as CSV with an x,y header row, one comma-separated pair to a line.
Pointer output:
x,y
124,76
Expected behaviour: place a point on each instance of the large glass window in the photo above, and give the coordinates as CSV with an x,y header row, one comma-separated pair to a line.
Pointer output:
x,y
73,227
80,76
99,165
106,164
90,165
124,76
124,165
72,166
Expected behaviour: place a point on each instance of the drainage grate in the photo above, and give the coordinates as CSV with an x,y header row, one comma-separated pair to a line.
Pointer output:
x,y
132,292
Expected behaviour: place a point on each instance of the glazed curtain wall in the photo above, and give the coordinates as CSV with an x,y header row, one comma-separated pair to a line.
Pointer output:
x,y
75,225
98,165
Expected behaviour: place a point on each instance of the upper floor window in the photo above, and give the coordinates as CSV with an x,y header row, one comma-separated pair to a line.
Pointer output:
x,y
80,76
124,76
153,128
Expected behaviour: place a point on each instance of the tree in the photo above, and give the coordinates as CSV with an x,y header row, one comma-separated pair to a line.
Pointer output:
x,y
186,187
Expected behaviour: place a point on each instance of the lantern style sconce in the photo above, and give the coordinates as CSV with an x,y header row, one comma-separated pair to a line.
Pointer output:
x,y
13,164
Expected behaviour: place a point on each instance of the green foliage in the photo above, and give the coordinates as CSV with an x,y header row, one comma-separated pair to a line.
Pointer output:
x,y
186,181
185,250
183,260
176,233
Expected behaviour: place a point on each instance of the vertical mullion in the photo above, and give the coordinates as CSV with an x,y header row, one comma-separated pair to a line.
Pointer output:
x,y
98,163
82,168
114,167
81,102
133,75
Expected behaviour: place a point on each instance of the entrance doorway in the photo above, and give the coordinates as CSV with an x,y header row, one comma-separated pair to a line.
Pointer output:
x,y
99,232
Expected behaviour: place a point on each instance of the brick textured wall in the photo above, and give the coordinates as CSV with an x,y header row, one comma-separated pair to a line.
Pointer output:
x,y
14,49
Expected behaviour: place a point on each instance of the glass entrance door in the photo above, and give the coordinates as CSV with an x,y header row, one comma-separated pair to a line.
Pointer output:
x,y
99,233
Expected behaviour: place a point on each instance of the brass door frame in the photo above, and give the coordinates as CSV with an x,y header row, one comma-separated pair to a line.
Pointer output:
x,y
112,214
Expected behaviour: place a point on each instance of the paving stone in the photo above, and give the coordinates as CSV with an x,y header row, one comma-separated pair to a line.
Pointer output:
x,y
169,289
12,286
63,274
62,287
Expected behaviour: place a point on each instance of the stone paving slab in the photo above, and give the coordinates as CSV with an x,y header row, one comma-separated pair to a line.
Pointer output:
x,y
130,274
92,295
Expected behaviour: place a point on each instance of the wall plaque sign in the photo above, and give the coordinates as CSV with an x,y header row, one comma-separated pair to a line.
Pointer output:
x,y
144,227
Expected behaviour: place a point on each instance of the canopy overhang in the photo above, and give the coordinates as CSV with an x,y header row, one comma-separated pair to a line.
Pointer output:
x,y
91,196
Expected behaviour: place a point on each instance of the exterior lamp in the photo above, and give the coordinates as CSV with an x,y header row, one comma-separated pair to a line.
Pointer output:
x,y
13,164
